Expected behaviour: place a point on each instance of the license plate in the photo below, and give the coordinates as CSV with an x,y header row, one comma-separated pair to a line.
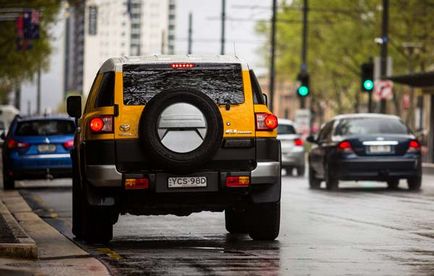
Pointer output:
x,y
46,148
187,182
379,149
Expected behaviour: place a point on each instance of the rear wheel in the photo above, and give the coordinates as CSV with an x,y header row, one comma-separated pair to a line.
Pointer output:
x,y
393,184
314,183
236,221
8,181
332,182
414,183
289,170
264,221
90,223
301,170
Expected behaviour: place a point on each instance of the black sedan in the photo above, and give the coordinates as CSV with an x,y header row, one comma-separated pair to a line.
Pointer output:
x,y
373,147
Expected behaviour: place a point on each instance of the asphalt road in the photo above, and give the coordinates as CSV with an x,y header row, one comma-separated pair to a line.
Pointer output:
x,y
362,229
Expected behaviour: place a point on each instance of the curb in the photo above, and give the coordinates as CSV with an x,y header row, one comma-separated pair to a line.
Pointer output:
x,y
25,247
428,168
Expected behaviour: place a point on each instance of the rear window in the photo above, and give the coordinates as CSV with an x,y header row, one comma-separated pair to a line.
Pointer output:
x,y
361,126
44,127
221,82
286,129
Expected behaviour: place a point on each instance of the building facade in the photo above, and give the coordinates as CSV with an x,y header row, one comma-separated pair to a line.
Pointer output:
x,y
112,28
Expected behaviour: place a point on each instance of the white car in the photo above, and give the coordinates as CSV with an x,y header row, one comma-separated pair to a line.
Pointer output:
x,y
293,154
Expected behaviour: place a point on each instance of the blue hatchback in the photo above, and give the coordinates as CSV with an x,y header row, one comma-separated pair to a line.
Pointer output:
x,y
37,147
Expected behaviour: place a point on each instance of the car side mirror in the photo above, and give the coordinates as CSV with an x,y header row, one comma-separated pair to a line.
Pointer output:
x,y
3,135
73,106
312,139
265,97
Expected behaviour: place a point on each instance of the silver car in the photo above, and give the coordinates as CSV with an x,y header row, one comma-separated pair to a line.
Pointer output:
x,y
292,148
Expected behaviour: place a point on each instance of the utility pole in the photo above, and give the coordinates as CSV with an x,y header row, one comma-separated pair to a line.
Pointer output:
x,y
190,33
304,49
17,102
383,54
38,91
222,49
273,53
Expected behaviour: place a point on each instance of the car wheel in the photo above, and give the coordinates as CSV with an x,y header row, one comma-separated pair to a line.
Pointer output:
x,y
314,183
264,221
76,202
8,181
289,171
93,224
332,183
301,171
414,183
393,184
181,149
236,221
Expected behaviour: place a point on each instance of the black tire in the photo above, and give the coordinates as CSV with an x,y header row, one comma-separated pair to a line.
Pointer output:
x,y
77,228
332,183
264,221
301,171
393,184
236,221
8,181
173,161
289,170
314,183
414,183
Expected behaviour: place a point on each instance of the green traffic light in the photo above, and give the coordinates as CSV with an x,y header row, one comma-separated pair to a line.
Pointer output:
x,y
368,85
303,91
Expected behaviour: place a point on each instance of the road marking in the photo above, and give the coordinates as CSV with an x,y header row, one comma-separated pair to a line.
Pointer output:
x,y
110,253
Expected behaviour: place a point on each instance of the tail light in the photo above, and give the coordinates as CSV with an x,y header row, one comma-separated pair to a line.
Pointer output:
x,y
101,124
68,144
345,146
136,183
12,144
266,121
298,142
414,146
237,181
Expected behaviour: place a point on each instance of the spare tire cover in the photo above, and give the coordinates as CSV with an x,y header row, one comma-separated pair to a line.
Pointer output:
x,y
181,129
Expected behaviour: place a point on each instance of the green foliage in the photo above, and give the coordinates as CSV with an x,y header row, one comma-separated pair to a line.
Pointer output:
x,y
17,66
341,36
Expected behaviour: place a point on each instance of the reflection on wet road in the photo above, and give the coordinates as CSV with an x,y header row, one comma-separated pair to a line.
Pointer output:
x,y
362,229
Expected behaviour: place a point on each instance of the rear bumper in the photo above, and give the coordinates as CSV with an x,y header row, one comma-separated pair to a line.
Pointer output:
x,y
108,176
107,189
37,166
378,168
294,158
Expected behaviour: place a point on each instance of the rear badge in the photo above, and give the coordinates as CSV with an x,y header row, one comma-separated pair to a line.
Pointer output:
x,y
124,127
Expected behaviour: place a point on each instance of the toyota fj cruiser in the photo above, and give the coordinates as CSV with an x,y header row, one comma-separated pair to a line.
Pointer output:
x,y
175,135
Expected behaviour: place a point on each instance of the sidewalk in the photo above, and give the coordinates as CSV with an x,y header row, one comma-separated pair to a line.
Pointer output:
x,y
30,246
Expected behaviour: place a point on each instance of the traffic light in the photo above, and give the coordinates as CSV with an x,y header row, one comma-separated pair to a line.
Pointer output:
x,y
303,90
367,77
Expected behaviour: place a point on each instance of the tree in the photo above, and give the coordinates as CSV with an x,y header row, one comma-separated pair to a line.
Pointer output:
x,y
18,66
341,37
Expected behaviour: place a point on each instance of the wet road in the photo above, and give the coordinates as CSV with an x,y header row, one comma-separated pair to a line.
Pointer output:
x,y
362,229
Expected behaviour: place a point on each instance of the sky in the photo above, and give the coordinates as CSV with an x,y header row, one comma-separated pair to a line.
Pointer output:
x,y
241,40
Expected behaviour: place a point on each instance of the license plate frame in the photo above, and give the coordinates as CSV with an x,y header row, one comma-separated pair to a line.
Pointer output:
x,y
380,149
46,148
175,182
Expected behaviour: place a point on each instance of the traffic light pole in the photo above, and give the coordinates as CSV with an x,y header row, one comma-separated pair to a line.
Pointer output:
x,y
383,56
304,49
272,55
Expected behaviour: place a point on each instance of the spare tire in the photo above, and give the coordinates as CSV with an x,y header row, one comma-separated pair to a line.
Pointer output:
x,y
181,129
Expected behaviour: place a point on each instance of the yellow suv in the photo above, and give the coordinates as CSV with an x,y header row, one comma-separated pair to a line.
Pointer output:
x,y
175,135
